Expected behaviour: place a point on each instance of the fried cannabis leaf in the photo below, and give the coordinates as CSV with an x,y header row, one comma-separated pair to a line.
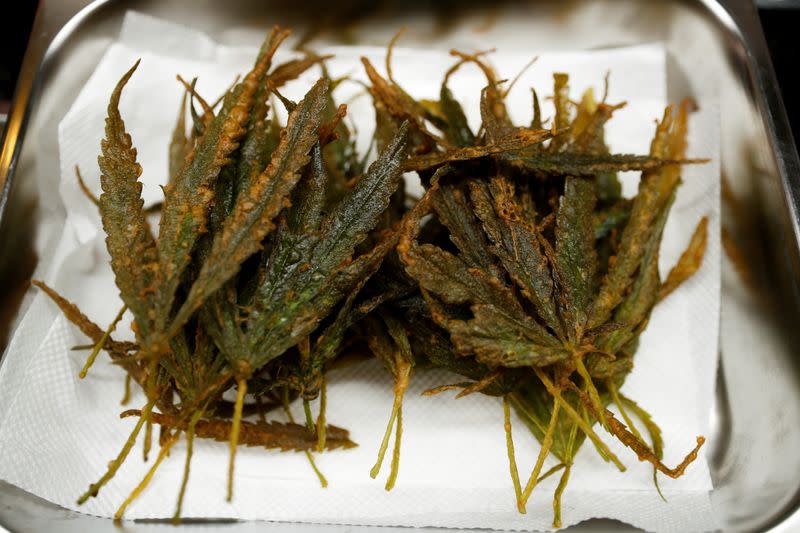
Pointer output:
x,y
280,253
251,281
570,277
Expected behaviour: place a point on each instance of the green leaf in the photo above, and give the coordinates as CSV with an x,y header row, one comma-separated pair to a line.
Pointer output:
x,y
318,275
562,119
496,340
517,245
452,280
637,305
581,164
220,318
575,250
186,199
455,212
310,195
252,215
350,282
134,258
457,131
179,145
357,213
655,189
518,139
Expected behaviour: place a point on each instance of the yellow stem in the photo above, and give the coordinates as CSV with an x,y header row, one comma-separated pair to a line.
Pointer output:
x,y
512,459
126,397
147,477
550,472
385,442
114,465
241,385
403,374
148,439
398,437
585,415
320,476
322,481
593,394
615,397
176,518
321,423
637,434
562,484
544,451
586,428
309,417
99,346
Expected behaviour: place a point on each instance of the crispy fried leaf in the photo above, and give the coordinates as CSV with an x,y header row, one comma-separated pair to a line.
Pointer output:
x,y
655,188
689,261
457,131
516,140
397,103
252,215
579,164
271,435
186,200
575,249
130,244
636,307
517,246
313,281
180,145
293,69
454,211
496,340
561,101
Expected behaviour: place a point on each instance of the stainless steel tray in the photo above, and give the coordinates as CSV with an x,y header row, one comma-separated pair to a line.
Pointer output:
x,y
719,54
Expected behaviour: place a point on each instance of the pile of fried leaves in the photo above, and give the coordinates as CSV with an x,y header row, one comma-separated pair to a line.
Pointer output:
x,y
522,268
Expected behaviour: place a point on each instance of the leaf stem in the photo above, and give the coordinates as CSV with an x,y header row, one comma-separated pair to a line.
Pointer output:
x,y
290,417
385,442
550,472
148,438
512,460
398,437
147,477
640,448
562,484
586,428
401,380
309,417
99,346
547,443
176,518
593,394
322,433
126,397
114,465
241,385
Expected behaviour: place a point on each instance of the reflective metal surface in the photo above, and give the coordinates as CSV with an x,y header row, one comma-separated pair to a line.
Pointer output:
x,y
718,55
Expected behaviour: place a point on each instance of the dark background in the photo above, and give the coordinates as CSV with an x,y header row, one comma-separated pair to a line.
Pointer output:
x,y
13,39
781,27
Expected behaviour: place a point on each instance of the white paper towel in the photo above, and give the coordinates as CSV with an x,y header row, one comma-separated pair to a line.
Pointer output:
x,y
57,432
